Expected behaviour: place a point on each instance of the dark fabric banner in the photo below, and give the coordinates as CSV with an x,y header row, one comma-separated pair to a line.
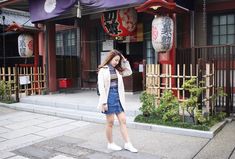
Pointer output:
x,y
109,3
46,9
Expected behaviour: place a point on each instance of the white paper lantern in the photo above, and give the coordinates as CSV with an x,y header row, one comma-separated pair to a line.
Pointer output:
x,y
162,33
25,45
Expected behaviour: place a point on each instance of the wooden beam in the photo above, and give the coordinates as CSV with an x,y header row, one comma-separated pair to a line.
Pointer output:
x,y
9,2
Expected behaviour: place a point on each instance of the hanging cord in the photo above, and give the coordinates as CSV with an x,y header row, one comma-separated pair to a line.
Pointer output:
x,y
26,22
3,42
204,14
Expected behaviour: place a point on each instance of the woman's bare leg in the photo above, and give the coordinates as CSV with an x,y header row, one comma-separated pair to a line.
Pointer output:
x,y
122,121
109,127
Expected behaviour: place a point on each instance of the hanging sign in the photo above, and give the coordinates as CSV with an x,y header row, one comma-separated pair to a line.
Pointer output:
x,y
24,80
162,33
25,45
119,22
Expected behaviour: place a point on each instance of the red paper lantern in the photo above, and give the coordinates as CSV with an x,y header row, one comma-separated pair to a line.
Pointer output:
x,y
119,22
162,33
25,45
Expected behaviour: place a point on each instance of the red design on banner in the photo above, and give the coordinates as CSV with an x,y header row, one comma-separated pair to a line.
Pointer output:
x,y
119,22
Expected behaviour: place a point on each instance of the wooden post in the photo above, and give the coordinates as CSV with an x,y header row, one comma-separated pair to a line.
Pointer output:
x,y
17,83
228,84
207,88
144,74
178,81
183,81
159,82
213,86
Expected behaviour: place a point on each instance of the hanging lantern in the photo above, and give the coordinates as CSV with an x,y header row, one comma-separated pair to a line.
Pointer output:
x,y
119,22
25,45
162,33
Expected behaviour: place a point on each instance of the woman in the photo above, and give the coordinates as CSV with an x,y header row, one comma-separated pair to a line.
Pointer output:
x,y
112,96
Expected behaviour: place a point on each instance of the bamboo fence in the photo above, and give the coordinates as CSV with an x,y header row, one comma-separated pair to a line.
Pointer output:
x,y
157,81
24,80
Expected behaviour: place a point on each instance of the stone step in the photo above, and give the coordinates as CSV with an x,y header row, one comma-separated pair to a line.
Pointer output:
x,y
89,106
96,117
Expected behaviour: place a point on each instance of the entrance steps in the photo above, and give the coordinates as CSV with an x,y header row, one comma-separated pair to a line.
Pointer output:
x,y
81,105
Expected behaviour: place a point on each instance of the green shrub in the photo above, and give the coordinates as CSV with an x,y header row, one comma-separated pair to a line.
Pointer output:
x,y
167,113
168,110
5,92
148,103
2,90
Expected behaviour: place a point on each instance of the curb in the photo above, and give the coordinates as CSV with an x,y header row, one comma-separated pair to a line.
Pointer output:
x,y
100,118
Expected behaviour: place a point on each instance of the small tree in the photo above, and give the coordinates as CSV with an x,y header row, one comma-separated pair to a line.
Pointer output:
x,y
191,104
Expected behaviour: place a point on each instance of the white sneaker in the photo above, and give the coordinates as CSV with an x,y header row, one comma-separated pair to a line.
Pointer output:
x,y
113,146
128,146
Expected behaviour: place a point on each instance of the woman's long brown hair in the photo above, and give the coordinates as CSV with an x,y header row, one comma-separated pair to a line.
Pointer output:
x,y
109,57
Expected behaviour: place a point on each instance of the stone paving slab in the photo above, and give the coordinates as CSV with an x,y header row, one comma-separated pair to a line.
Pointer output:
x,y
21,132
59,130
232,156
23,118
2,139
6,154
155,143
4,130
35,152
62,157
24,124
18,157
223,143
66,147
47,117
4,111
15,113
51,124
17,142
6,122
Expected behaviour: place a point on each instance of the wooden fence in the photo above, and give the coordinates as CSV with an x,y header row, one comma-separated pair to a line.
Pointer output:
x,y
157,82
28,80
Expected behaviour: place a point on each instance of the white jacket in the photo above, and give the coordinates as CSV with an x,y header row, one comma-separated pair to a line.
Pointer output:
x,y
104,83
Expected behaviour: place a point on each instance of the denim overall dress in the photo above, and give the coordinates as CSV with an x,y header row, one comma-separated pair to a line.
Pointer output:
x,y
114,104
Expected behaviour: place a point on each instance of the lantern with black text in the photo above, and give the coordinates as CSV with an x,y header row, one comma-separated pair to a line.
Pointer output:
x,y
119,22
25,45
162,33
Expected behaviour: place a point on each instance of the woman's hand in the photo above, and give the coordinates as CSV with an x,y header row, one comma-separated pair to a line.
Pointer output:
x,y
104,107
123,58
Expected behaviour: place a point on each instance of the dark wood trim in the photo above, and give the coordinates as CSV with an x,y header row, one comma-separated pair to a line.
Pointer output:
x,y
217,7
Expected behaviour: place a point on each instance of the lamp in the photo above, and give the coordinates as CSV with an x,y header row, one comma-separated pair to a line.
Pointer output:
x,y
155,7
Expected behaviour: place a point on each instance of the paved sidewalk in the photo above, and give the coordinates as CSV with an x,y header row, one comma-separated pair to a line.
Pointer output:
x,y
82,105
25,135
